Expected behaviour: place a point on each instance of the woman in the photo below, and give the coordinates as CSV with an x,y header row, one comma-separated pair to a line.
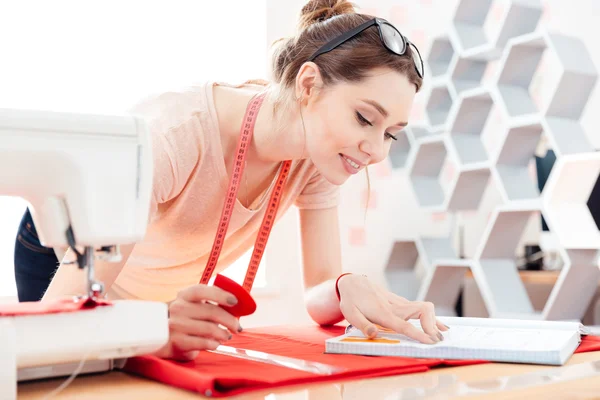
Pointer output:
x,y
338,97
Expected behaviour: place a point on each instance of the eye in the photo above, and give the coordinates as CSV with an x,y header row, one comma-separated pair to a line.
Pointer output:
x,y
390,136
362,120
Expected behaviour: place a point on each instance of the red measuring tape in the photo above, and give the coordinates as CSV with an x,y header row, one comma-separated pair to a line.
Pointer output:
x,y
230,199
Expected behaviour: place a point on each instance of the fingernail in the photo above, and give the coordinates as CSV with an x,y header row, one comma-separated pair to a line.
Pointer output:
x,y
372,331
434,338
447,327
232,301
240,328
230,336
440,336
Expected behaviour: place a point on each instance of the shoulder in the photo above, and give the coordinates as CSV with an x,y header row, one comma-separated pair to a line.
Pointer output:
x,y
171,108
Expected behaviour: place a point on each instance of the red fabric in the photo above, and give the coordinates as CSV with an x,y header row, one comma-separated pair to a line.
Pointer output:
x,y
226,376
49,307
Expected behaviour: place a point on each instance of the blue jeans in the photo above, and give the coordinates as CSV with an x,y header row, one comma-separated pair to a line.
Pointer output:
x,y
34,264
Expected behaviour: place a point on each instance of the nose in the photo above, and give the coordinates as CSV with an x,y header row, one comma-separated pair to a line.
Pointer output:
x,y
375,149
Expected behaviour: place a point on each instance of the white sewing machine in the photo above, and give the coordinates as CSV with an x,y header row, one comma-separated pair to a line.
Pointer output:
x,y
88,181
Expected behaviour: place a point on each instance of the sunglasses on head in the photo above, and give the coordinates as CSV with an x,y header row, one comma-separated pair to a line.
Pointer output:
x,y
391,38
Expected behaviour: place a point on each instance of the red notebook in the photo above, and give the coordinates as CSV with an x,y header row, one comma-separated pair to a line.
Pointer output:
x,y
219,375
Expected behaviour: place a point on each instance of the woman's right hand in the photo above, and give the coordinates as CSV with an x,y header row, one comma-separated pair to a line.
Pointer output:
x,y
194,322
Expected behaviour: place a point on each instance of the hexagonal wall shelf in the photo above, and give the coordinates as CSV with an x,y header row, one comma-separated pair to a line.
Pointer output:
x,y
541,83
575,286
546,73
442,283
468,119
438,104
441,53
495,269
425,166
565,201
409,261
400,150
467,187
520,144
482,27
407,139
418,132
467,73
566,136
513,159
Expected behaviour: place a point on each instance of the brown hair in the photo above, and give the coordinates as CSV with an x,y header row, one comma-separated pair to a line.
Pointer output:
x,y
321,21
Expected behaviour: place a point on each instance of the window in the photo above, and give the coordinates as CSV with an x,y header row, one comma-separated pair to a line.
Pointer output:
x,y
103,57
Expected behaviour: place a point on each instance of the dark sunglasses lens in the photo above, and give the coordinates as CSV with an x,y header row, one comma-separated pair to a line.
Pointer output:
x,y
392,39
417,59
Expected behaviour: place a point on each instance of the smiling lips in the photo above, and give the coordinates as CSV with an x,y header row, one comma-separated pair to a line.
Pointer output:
x,y
350,164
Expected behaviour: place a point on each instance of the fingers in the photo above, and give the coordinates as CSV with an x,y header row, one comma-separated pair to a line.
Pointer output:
x,y
441,326
202,293
425,312
357,319
391,321
408,329
190,344
205,329
208,312
427,317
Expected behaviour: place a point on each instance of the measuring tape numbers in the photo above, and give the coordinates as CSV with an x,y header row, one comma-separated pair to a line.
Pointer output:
x,y
269,218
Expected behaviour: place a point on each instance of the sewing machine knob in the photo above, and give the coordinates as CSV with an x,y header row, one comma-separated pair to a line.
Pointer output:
x,y
97,289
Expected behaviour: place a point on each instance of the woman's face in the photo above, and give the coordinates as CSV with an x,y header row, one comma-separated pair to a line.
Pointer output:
x,y
352,125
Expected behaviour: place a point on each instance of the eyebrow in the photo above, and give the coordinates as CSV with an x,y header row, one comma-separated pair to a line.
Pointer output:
x,y
382,110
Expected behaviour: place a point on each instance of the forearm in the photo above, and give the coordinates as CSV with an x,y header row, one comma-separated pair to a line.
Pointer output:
x,y
322,303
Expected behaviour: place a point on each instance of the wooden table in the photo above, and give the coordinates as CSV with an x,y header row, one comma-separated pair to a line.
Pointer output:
x,y
117,385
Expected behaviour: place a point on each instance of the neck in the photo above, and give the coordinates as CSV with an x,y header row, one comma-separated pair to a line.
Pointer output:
x,y
278,137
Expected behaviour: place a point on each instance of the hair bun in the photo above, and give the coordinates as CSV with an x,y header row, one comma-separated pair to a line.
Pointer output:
x,y
320,10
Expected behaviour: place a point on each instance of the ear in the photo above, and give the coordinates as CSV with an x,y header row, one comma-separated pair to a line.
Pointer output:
x,y
308,81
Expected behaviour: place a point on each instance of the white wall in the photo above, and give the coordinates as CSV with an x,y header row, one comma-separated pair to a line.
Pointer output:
x,y
104,56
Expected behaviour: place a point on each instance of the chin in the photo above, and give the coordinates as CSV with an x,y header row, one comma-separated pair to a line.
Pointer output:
x,y
332,173
336,179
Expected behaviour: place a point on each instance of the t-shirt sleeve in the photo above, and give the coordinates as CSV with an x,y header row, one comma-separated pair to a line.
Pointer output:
x,y
176,144
318,193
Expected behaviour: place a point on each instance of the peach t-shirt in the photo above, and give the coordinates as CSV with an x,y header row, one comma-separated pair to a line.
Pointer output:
x,y
190,182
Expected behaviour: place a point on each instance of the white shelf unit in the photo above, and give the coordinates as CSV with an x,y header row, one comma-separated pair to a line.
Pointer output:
x,y
442,284
565,198
440,55
468,187
484,26
575,287
566,136
495,269
410,260
418,132
467,73
512,162
468,119
541,83
546,73
438,104
424,170
400,149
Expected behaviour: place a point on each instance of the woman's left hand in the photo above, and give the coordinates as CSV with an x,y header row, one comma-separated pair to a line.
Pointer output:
x,y
365,304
